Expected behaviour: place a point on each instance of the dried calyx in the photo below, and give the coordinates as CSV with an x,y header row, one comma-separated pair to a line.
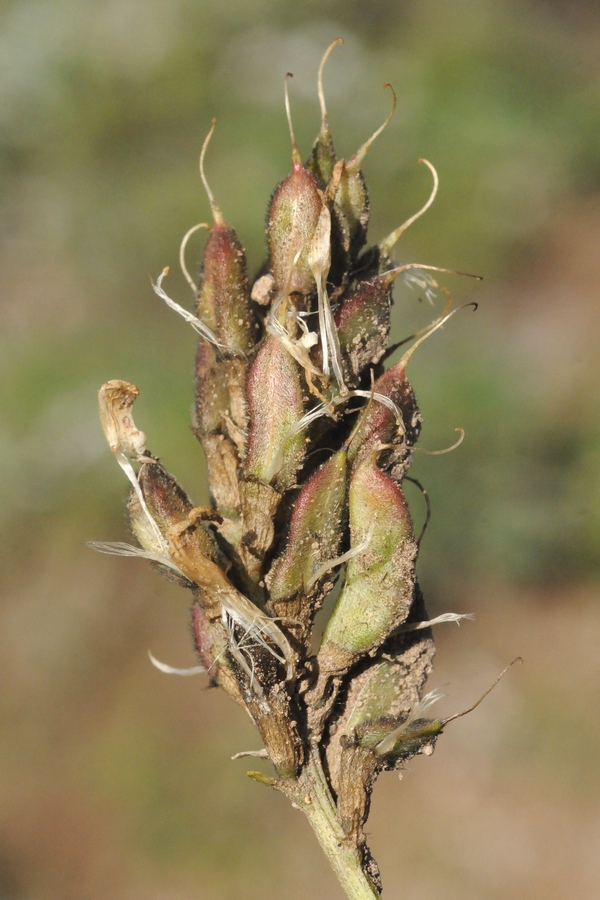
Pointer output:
x,y
307,442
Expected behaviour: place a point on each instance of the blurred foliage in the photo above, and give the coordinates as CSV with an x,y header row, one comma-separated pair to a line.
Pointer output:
x,y
114,780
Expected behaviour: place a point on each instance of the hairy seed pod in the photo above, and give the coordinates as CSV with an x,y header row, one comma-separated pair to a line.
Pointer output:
x,y
363,323
379,586
169,505
293,216
223,300
224,296
275,403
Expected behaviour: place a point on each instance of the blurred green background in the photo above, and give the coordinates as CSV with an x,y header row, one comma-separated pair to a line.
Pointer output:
x,y
115,780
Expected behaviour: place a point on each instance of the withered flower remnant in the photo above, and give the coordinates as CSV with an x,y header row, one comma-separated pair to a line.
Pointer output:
x,y
307,440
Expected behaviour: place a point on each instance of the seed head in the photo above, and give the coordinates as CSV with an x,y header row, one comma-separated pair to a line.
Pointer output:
x,y
302,493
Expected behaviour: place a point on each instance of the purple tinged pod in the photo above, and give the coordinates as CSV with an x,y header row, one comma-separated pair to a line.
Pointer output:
x,y
380,580
223,303
275,404
296,577
377,424
293,216
223,300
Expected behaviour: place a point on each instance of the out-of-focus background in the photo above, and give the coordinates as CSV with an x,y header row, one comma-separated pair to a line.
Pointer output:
x,y
115,780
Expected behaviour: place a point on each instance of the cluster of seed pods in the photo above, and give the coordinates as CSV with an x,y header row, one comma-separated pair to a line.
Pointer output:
x,y
307,440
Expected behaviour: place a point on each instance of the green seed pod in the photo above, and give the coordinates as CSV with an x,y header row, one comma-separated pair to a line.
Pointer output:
x,y
295,581
385,689
380,580
293,216
275,403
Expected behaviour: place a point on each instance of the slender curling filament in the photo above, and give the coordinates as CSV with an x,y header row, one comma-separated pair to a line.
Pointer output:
x,y
446,449
171,670
438,324
324,120
387,243
425,496
340,560
182,248
196,323
355,162
484,695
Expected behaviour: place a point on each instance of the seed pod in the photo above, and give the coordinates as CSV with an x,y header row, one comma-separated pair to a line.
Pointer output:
x,y
293,216
223,303
384,688
168,505
275,403
214,429
379,587
295,581
363,325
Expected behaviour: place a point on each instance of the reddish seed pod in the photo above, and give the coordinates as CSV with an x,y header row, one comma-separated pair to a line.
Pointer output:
x,y
377,424
223,300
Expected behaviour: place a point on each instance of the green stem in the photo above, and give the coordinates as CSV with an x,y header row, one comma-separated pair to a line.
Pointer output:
x,y
317,803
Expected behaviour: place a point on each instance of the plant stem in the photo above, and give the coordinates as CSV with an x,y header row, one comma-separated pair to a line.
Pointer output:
x,y
345,859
